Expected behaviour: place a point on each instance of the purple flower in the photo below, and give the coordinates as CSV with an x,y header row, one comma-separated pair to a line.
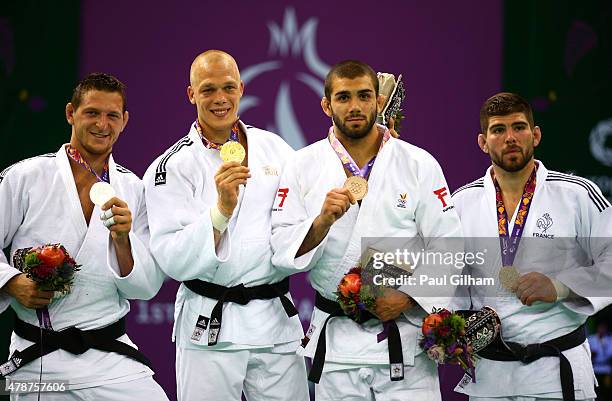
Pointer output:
x,y
451,348
429,342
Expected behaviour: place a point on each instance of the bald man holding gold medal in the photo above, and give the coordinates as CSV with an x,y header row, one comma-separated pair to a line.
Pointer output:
x,y
209,198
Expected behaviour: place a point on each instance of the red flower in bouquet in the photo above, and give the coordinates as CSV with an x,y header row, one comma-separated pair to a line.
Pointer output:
x,y
52,256
350,284
354,298
50,267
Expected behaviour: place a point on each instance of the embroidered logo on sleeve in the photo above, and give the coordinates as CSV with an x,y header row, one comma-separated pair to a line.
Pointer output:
x,y
442,193
281,195
160,178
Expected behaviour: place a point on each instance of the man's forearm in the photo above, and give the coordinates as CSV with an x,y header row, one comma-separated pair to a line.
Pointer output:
x,y
123,250
313,238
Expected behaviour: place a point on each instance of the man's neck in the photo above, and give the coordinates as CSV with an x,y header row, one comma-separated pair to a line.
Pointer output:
x,y
513,183
363,149
96,162
219,136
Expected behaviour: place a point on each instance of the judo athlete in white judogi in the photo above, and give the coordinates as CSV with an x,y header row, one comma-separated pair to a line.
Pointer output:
x,y
45,200
564,260
236,329
318,227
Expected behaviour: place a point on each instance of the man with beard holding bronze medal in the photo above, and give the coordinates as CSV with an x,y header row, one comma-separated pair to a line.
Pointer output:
x,y
80,198
335,192
209,199
551,255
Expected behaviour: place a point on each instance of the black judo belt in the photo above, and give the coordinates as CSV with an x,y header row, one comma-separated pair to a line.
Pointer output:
x,y
533,352
241,295
396,358
72,340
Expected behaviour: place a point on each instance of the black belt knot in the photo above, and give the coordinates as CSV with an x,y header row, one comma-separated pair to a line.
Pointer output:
x,y
73,340
396,357
510,351
240,295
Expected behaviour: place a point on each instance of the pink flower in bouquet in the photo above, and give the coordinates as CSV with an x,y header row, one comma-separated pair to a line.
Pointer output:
x,y
436,353
43,271
350,284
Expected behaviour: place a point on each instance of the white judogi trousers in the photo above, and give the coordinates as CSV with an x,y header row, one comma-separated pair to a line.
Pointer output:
x,y
225,375
372,383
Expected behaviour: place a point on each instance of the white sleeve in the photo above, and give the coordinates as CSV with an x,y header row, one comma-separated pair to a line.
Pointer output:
x,y
592,285
182,237
291,223
12,213
439,226
146,278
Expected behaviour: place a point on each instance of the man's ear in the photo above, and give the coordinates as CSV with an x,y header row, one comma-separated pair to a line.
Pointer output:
x,y
70,113
380,103
191,95
482,142
126,117
326,106
537,136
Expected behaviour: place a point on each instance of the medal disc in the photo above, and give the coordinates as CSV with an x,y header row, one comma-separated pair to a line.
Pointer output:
x,y
358,186
508,277
232,151
100,193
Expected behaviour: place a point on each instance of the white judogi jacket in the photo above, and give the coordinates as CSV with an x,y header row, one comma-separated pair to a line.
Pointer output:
x,y
566,236
180,190
400,203
39,204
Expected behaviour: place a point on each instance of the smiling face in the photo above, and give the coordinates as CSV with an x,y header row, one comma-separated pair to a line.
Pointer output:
x,y
96,122
216,90
353,106
510,141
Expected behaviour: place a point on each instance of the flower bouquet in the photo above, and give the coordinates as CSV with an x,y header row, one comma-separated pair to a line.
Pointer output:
x,y
444,340
51,267
354,298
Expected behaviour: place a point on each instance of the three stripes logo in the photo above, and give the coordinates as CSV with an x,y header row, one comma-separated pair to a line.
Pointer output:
x,y
160,172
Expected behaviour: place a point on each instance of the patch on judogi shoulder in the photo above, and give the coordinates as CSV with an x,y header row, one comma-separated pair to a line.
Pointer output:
x,y
200,328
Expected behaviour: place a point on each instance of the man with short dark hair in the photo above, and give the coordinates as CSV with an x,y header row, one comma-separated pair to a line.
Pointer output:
x,y
549,250
360,182
47,200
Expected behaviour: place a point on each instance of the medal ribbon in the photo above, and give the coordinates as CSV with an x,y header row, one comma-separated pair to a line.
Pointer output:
x,y
347,160
211,145
509,244
74,154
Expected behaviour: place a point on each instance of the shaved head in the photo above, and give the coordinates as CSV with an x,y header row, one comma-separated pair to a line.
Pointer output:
x,y
211,59
215,88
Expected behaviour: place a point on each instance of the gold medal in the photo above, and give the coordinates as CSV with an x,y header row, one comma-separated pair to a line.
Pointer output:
x,y
357,185
232,151
509,277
